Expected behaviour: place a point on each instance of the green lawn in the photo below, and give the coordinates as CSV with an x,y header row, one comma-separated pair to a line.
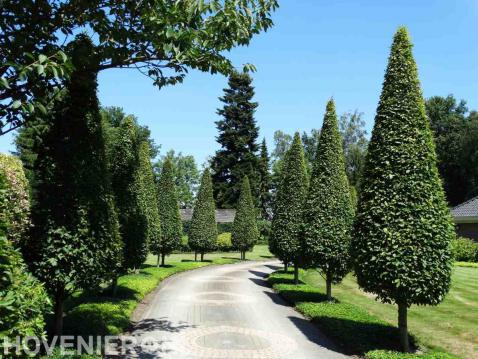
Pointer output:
x,y
452,326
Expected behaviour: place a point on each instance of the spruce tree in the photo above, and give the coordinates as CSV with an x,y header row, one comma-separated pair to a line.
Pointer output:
x,y
148,198
288,207
203,229
168,202
401,241
265,182
244,230
328,211
75,239
124,163
238,134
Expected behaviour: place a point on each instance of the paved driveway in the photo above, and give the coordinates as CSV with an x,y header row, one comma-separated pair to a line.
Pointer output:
x,y
225,312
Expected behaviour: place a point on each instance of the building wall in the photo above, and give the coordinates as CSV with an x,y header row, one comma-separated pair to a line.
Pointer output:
x,y
468,230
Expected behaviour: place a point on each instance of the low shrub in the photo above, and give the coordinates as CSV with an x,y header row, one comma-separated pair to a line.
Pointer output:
x,y
224,243
465,250
184,246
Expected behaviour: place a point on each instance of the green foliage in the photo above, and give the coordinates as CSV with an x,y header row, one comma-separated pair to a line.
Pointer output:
x,y
328,212
224,242
187,34
22,299
385,354
124,166
238,134
186,176
17,198
265,195
285,241
455,133
203,230
355,145
149,200
464,250
265,230
171,225
75,240
245,233
403,229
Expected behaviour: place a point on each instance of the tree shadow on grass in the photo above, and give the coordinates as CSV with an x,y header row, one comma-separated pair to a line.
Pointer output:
x,y
355,337
198,261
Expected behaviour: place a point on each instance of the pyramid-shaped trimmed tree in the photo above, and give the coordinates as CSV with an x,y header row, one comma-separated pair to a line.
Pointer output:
x,y
203,229
244,230
168,203
401,241
287,222
328,212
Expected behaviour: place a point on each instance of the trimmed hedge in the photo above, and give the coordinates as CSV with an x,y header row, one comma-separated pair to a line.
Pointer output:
x,y
464,250
17,210
224,242
383,354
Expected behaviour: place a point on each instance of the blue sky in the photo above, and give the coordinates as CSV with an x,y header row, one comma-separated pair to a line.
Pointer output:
x,y
317,49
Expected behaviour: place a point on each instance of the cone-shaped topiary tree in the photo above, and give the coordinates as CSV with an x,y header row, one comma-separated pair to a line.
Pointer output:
x,y
148,195
287,222
203,229
328,212
244,230
168,202
401,241
265,183
75,241
124,166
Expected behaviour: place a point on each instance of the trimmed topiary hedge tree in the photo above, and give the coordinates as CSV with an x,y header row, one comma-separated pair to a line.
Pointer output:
x,y
203,229
245,233
18,198
168,203
401,242
328,211
287,222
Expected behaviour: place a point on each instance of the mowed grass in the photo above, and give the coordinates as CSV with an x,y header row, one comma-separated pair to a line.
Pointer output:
x,y
451,326
101,314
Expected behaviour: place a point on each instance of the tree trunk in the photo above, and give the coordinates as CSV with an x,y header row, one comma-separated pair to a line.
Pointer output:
x,y
114,287
157,262
163,256
403,327
195,256
328,282
202,257
58,315
244,255
296,273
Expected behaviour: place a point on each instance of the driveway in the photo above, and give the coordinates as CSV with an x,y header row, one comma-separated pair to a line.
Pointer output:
x,y
224,312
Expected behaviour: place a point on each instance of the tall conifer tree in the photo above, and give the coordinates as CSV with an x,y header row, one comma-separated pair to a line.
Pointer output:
x,y
203,230
238,134
401,243
288,207
244,231
168,202
328,212
75,240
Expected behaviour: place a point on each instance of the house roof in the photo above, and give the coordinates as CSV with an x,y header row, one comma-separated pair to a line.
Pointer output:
x,y
467,210
222,215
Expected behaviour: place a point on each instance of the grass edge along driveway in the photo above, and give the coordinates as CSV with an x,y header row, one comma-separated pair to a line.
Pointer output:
x,y
349,321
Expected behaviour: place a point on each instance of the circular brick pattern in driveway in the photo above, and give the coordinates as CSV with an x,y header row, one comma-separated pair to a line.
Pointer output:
x,y
227,342
218,298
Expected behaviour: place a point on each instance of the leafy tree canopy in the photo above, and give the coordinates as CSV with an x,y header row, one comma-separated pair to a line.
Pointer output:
x,y
160,38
